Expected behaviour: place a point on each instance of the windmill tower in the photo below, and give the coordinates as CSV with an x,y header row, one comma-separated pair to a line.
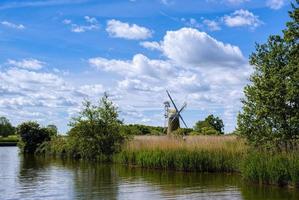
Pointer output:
x,y
173,115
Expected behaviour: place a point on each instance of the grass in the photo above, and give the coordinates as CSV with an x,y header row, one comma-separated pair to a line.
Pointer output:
x,y
11,140
195,153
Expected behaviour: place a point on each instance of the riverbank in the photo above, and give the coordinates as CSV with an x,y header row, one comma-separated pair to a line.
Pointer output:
x,y
11,140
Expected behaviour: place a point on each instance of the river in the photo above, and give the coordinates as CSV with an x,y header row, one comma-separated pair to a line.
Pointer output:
x,y
38,178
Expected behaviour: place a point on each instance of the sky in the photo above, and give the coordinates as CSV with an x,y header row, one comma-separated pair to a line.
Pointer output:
x,y
56,53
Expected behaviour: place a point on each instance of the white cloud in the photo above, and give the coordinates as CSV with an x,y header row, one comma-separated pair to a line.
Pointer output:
x,y
212,25
151,45
137,85
91,24
190,47
275,4
191,22
92,90
46,96
29,63
140,65
242,18
12,25
124,30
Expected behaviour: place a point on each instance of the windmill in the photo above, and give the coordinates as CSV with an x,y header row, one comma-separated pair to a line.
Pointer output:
x,y
173,115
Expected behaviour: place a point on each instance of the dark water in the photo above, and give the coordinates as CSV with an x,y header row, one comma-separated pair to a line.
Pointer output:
x,y
31,178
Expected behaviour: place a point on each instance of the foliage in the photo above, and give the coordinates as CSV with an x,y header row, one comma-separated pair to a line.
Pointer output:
x,y
6,128
138,129
32,136
181,132
270,116
96,131
210,126
53,129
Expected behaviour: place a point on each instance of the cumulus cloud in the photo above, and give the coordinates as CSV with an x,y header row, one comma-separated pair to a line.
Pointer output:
x,y
190,47
12,25
212,25
275,4
91,23
92,90
140,65
29,63
27,94
191,22
151,45
128,31
242,18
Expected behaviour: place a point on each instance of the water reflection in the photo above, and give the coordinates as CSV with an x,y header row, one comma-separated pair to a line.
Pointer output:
x,y
39,178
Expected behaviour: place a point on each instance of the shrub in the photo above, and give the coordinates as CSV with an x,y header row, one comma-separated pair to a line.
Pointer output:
x,y
32,136
96,131
6,128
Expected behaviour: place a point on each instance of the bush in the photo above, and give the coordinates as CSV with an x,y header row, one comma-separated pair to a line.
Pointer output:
x,y
96,131
6,128
32,136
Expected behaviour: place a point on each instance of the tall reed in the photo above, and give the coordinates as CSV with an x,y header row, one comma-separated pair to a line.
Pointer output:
x,y
275,168
194,153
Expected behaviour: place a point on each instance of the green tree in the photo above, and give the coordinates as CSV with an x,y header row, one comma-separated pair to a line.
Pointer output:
x,y
6,128
53,129
270,115
32,136
97,129
211,125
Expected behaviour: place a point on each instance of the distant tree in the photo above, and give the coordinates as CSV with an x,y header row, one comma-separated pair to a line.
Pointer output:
x,y
211,125
97,129
270,115
32,136
53,129
6,128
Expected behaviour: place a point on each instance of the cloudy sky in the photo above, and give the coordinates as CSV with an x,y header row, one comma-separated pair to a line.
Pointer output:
x,y
55,53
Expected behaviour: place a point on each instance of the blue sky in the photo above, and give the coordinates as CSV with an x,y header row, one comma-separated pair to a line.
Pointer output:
x,y
55,53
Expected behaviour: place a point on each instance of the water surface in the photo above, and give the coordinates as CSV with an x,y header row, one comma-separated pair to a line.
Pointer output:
x,y
37,178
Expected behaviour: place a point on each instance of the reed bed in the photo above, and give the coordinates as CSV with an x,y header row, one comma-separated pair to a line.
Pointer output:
x,y
189,142
275,168
193,153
